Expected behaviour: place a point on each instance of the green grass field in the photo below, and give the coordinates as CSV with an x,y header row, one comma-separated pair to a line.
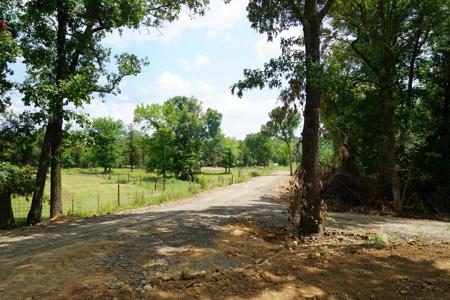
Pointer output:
x,y
88,192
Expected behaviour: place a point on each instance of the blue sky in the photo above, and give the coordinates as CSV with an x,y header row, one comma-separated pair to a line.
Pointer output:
x,y
200,57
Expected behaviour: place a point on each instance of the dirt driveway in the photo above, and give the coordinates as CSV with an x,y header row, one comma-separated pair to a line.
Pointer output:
x,y
196,247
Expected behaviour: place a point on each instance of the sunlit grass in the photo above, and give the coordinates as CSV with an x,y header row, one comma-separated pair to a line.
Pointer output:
x,y
88,192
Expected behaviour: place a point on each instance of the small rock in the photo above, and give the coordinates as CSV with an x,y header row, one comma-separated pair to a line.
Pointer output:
x,y
167,278
117,285
187,275
144,282
190,284
148,287
90,287
403,292
430,281
127,288
313,255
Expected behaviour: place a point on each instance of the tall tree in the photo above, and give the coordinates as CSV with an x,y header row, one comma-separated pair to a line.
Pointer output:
x,y
66,61
107,136
229,153
282,124
258,149
10,49
131,147
213,137
302,69
385,34
183,128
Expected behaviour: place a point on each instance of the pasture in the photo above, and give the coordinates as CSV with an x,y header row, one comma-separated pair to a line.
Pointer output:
x,y
88,192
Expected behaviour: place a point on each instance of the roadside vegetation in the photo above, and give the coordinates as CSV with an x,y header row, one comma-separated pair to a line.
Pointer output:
x,y
90,191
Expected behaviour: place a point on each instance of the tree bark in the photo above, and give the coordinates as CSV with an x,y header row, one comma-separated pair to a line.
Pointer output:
x,y
56,119
35,213
6,213
55,175
311,217
290,158
391,167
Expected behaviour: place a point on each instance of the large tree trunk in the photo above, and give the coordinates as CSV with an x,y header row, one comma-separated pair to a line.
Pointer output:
x,y
35,213
391,167
55,176
56,119
311,218
6,212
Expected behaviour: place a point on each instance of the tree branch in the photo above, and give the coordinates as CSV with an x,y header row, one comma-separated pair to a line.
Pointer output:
x,y
325,9
297,11
365,58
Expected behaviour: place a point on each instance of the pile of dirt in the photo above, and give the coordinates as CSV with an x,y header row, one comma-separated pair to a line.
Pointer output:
x,y
267,263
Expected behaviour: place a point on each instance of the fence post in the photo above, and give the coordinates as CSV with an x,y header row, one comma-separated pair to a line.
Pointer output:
x,y
98,203
232,179
156,180
72,205
118,178
118,195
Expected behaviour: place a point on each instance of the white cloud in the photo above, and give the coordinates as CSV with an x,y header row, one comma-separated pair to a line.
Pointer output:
x,y
121,110
218,19
169,84
240,116
239,111
184,63
202,60
267,50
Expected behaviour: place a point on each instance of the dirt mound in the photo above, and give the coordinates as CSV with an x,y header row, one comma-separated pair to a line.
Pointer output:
x,y
272,265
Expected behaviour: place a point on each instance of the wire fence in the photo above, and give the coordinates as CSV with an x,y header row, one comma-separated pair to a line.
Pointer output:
x,y
87,193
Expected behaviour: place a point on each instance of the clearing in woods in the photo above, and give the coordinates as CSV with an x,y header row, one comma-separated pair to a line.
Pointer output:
x,y
226,243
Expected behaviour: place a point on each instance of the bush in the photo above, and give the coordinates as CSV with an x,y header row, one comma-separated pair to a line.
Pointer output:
x,y
13,180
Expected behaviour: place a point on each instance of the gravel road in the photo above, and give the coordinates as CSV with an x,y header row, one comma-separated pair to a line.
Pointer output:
x,y
53,262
